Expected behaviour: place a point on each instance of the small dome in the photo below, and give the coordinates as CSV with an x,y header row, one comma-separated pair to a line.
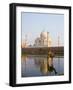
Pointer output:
x,y
43,34
37,39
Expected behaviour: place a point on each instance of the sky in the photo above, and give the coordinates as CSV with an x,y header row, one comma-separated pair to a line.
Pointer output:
x,y
32,24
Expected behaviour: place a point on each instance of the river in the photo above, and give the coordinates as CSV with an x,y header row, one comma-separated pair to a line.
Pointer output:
x,y
41,65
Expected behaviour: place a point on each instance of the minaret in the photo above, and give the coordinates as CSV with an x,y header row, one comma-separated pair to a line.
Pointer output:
x,y
47,38
25,40
58,40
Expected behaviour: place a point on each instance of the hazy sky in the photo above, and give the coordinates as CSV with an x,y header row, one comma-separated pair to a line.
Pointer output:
x,y
34,23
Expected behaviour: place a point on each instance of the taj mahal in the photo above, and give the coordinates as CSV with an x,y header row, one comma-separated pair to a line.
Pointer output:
x,y
44,40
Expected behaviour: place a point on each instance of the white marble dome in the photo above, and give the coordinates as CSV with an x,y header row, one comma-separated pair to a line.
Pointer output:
x,y
43,35
43,40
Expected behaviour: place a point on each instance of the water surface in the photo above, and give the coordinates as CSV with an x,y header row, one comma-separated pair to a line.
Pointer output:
x,y
41,65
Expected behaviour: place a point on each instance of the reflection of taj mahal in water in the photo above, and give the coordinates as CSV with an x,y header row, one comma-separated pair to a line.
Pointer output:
x,y
44,40
41,66
46,65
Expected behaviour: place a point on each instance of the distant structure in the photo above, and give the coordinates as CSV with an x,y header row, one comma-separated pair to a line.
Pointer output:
x,y
44,40
24,42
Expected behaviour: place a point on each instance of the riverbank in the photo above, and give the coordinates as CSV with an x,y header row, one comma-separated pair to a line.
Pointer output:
x,y
57,51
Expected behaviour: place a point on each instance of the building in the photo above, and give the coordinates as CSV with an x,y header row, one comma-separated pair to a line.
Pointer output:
x,y
44,40
24,44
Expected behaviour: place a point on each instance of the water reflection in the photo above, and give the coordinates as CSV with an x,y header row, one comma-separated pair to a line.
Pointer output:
x,y
41,66
45,64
